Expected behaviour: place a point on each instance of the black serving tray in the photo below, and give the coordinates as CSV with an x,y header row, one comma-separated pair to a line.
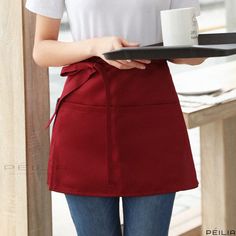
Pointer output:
x,y
210,45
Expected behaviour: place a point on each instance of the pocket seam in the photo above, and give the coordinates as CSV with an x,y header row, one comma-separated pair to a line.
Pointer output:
x,y
102,108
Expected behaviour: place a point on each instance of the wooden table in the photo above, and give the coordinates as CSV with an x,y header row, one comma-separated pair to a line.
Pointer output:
x,y
218,164
218,153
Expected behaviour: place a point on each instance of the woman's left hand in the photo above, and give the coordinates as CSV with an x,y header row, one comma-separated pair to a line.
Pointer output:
x,y
188,61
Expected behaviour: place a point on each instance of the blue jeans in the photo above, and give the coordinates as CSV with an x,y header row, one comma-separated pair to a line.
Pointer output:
x,y
143,215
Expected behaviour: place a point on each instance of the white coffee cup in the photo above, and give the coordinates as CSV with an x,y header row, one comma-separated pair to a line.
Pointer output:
x,y
179,27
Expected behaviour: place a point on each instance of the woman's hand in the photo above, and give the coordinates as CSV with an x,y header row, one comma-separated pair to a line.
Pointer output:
x,y
188,61
107,44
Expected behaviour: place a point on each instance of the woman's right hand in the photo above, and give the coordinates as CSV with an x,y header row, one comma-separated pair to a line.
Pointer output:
x,y
107,44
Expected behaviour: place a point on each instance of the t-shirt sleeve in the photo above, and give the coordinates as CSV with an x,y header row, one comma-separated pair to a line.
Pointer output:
x,y
186,3
49,8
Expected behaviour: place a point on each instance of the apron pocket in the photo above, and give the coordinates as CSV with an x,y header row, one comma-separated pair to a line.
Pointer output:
x,y
80,144
153,138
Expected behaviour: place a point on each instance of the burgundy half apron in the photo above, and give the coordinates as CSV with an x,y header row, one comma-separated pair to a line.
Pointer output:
x,y
119,132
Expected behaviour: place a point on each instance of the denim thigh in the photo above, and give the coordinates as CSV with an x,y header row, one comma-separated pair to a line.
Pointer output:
x,y
148,215
95,216
143,215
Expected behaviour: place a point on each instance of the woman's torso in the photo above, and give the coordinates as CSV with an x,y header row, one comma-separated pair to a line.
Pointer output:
x,y
135,20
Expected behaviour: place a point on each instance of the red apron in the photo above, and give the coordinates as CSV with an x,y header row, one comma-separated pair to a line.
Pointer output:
x,y
119,132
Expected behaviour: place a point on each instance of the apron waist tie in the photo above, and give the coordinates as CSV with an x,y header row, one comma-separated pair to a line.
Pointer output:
x,y
74,81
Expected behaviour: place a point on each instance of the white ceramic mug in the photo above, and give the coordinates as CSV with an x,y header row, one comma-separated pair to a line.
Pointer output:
x,y
179,27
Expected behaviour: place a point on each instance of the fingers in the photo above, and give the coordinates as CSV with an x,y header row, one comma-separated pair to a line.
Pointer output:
x,y
116,64
127,64
124,63
129,44
133,64
120,65
144,61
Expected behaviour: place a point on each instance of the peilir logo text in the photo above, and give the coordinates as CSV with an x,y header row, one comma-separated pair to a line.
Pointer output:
x,y
220,232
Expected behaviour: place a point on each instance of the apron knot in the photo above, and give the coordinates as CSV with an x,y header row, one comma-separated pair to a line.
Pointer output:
x,y
77,74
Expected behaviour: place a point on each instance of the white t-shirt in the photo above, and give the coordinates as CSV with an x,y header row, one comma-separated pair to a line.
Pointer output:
x,y
134,20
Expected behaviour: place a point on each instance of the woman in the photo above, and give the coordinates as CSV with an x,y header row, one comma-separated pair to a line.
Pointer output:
x,y
119,129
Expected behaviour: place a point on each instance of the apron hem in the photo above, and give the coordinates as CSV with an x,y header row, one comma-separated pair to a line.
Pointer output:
x,y
70,191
